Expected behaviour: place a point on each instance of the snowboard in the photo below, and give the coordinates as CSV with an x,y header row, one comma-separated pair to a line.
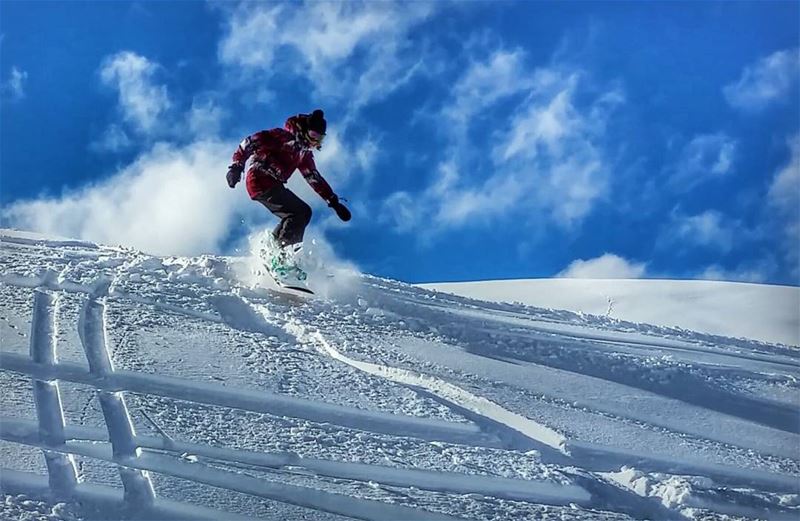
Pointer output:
x,y
289,285
284,269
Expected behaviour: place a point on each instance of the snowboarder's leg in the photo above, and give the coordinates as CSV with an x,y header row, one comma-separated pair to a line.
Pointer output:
x,y
281,257
294,213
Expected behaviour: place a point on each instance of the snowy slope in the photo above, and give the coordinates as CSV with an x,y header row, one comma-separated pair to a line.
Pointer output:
x,y
167,388
757,311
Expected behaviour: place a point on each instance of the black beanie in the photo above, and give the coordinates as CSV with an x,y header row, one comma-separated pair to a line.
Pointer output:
x,y
316,122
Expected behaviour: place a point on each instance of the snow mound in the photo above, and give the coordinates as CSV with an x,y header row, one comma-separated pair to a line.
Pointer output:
x,y
756,311
151,387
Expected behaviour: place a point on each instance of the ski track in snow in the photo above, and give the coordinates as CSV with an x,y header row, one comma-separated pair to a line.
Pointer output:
x,y
507,412
60,467
451,394
92,327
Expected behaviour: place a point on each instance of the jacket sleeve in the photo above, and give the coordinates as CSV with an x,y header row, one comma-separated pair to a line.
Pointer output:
x,y
245,150
312,176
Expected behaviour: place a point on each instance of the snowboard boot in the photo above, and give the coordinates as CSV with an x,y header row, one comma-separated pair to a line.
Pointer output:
x,y
283,262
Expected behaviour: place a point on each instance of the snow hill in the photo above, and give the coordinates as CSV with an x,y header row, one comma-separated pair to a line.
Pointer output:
x,y
190,388
756,311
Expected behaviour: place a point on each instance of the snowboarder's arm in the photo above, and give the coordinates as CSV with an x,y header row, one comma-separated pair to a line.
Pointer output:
x,y
315,179
318,183
246,148
244,151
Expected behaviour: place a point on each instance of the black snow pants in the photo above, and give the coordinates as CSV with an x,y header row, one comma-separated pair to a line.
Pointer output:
x,y
294,213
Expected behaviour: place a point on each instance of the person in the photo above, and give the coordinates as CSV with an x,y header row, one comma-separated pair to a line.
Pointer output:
x,y
275,154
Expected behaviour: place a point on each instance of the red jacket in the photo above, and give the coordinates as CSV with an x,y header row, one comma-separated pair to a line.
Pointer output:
x,y
275,155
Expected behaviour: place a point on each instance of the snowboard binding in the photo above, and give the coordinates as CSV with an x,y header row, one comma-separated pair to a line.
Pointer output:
x,y
282,264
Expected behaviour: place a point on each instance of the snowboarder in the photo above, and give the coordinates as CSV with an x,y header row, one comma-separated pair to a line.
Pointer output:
x,y
275,155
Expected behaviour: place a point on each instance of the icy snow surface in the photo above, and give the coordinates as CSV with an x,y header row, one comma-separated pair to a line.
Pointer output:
x,y
192,388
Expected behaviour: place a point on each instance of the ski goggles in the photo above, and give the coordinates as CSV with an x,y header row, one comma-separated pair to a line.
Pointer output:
x,y
315,137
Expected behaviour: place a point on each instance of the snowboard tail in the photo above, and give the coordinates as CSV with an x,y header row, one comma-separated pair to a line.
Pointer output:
x,y
289,283
301,289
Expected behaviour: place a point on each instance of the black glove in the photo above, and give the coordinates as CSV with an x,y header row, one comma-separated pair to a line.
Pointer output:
x,y
339,208
234,175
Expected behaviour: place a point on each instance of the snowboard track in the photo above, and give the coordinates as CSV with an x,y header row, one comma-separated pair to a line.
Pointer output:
x,y
137,456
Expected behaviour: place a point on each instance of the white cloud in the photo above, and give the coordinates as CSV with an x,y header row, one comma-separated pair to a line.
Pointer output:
x,y
456,205
574,185
205,118
784,197
758,271
114,139
708,229
769,79
245,44
14,87
607,266
359,51
485,83
141,100
400,211
756,274
554,147
339,161
169,201
547,161
545,124
705,157
784,191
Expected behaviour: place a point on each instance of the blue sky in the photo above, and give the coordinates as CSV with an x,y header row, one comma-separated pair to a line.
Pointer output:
x,y
473,140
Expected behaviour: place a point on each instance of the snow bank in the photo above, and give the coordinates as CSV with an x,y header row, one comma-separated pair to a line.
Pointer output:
x,y
756,311
189,388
